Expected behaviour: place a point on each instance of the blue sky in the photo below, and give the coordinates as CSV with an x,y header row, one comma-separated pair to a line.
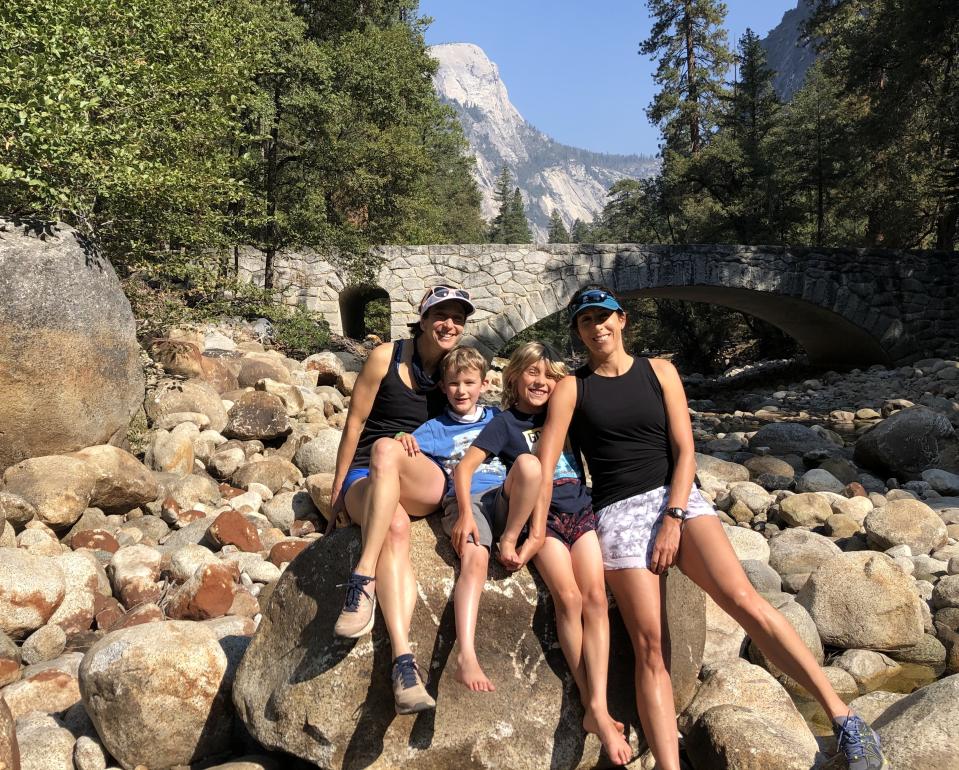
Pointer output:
x,y
572,68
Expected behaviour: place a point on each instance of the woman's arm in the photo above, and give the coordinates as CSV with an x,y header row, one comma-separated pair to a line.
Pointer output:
x,y
680,432
361,402
684,462
562,403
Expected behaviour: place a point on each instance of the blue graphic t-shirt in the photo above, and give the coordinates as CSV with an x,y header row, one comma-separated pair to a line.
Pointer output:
x,y
446,439
513,433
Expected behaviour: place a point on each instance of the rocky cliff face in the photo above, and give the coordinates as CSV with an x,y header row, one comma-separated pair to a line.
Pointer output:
x,y
549,174
789,52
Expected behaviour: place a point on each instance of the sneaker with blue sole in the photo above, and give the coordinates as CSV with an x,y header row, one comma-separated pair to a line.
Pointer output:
x,y
858,743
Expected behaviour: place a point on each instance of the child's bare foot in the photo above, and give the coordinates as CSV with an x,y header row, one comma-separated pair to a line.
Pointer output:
x,y
507,553
591,723
610,734
469,673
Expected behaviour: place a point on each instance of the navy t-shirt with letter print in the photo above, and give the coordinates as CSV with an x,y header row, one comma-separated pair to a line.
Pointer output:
x,y
513,433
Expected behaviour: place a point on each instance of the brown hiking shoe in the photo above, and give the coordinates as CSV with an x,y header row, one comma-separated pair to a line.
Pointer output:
x,y
356,617
409,692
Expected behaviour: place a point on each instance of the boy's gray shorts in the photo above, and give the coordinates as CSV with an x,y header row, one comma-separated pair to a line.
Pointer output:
x,y
490,509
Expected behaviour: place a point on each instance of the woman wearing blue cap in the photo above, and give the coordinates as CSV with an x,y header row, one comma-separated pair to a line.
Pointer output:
x,y
380,486
630,418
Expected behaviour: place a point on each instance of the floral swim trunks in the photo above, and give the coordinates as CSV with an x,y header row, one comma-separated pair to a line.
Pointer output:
x,y
570,527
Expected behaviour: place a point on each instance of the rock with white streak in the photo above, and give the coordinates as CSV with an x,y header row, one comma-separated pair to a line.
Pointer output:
x,y
295,673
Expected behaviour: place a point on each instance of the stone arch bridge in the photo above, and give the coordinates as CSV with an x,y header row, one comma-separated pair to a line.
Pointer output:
x,y
844,306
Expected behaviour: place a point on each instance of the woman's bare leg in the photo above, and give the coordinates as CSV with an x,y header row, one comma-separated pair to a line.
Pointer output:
x,y
395,478
639,595
706,556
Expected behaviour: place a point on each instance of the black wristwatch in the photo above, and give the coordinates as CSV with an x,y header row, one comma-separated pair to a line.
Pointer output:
x,y
676,513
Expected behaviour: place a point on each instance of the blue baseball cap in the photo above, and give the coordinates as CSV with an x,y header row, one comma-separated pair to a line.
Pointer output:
x,y
594,298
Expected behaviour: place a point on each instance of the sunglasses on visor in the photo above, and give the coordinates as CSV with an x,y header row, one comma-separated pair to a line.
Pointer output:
x,y
591,297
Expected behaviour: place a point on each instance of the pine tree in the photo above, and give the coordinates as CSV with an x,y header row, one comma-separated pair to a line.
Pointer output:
x,y
557,228
502,195
518,230
689,39
735,169
581,232
510,224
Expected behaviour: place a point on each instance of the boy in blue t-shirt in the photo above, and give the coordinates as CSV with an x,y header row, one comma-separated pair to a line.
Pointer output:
x,y
445,440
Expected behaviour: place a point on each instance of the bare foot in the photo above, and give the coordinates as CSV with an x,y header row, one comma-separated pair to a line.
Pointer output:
x,y
610,734
507,553
591,724
469,673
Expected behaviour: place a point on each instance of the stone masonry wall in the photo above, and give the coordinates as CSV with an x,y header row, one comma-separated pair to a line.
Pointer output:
x,y
842,305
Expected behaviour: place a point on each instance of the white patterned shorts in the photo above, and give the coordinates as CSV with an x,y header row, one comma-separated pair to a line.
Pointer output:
x,y
627,529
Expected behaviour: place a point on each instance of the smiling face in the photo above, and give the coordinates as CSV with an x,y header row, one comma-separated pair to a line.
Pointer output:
x,y
601,330
533,388
443,324
463,389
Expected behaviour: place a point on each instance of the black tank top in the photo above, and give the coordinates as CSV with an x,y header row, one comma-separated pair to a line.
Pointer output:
x,y
396,407
621,427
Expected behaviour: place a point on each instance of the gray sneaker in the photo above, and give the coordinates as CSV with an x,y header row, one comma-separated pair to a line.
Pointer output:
x,y
860,745
356,617
409,692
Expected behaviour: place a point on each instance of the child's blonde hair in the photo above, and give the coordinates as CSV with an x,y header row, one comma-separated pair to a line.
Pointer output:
x,y
525,356
462,358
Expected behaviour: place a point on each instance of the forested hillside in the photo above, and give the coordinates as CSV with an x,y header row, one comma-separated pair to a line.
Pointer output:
x,y
865,153
171,131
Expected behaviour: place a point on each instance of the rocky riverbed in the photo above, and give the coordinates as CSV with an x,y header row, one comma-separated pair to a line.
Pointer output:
x,y
134,579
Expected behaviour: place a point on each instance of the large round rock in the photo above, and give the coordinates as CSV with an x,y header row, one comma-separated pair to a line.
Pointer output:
x,y
158,694
328,700
862,600
907,443
70,373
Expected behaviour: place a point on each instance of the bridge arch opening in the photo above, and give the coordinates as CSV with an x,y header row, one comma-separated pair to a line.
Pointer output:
x,y
700,337
365,309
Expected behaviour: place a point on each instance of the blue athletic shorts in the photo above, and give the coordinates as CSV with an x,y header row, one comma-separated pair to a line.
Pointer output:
x,y
353,475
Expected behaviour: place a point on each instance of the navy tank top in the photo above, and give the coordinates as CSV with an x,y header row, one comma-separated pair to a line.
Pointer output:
x,y
396,407
620,425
